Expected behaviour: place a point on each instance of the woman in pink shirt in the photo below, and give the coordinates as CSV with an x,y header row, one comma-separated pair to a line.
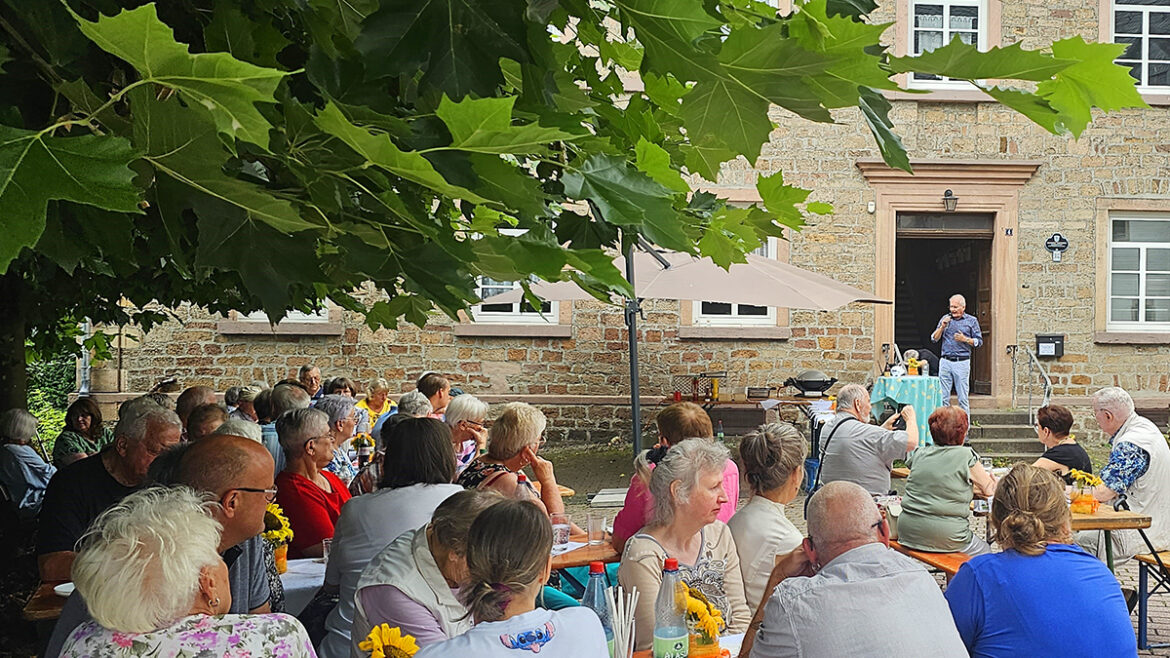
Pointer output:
x,y
679,421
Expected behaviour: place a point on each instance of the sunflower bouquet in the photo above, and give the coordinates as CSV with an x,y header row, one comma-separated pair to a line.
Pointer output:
x,y
705,622
1082,500
386,642
278,533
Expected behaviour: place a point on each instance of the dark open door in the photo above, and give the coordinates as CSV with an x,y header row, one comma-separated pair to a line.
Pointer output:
x,y
981,362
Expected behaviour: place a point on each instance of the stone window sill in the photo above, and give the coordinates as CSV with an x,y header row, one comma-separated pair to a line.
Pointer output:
x,y
978,96
239,328
1131,338
501,330
734,333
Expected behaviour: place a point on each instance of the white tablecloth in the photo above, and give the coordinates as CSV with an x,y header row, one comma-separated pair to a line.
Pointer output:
x,y
301,582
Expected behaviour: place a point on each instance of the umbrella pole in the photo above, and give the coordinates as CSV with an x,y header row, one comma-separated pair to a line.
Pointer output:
x,y
632,329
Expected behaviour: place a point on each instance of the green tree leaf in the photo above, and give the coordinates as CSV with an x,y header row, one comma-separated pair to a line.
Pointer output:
x,y
627,197
724,114
961,60
484,125
654,161
1094,81
668,30
231,31
876,110
217,82
36,168
780,199
774,68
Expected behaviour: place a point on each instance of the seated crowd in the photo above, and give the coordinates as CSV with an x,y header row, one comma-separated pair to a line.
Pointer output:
x,y
441,535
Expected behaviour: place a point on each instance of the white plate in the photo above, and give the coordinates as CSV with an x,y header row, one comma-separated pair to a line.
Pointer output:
x,y
64,589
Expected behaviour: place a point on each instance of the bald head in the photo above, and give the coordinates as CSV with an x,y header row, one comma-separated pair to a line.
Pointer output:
x,y
219,463
841,516
193,397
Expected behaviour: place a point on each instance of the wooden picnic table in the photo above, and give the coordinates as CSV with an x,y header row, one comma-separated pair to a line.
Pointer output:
x,y
45,604
900,472
581,557
1108,519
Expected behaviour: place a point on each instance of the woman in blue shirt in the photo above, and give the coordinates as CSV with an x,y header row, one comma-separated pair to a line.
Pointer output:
x,y
1043,595
23,474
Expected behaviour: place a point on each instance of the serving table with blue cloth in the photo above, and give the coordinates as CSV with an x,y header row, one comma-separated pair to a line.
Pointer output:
x,y
920,392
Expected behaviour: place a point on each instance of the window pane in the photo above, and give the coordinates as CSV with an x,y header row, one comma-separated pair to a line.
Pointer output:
x,y
1124,310
748,309
1158,310
1126,284
927,41
1135,70
927,76
1159,49
964,18
1157,285
969,38
1160,22
1146,230
1148,3
930,16
497,308
1158,260
716,308
1127,22
1134,51
1159,75
1126,260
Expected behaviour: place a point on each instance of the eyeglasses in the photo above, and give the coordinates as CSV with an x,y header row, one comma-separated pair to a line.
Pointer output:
x,y
318,438
269,494
483,425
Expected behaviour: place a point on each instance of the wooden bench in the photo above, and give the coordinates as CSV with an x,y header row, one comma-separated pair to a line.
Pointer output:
x,y
1146,563
947,563
1159,415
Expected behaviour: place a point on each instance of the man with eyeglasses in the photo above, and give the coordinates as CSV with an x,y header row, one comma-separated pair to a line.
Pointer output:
x,y
844,592
237,473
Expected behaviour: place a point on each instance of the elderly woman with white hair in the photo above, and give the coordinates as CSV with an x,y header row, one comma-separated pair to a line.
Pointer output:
x,y
688,492
513,441
343,420
155,585
23,473
467,417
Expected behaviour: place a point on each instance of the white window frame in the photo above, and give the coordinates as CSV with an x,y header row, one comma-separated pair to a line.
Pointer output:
x,y
1141,325
734,319
292,317
981,39
1144,59
516,315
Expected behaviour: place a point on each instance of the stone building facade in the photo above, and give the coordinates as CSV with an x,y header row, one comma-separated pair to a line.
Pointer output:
x,y
1107,194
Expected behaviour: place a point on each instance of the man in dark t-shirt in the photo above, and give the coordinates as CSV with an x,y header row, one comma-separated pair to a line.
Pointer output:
x,y
81,491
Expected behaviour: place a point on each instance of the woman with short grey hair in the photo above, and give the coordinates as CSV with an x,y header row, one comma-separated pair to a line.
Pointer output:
x,y
773,465
23,474
343,420
688,492
466,415
152,578
311,497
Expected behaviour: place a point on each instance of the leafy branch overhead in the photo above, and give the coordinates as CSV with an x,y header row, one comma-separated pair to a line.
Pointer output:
x,y
271,154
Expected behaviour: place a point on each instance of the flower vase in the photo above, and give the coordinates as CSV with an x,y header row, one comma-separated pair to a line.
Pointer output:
x,y
1083,501
702,646
281,555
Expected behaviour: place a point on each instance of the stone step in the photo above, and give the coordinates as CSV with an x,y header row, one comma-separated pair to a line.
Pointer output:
x,y
999,446
988,431
1000,417
1010,457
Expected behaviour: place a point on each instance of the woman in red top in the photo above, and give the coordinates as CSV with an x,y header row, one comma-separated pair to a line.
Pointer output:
x,y
311,498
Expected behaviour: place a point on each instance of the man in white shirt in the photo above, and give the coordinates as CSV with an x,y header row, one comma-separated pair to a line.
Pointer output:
x,y
863,599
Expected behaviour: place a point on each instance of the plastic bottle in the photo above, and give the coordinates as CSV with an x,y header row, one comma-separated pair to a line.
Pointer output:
x,y
365,448
595,600
523,488
719,430
670,609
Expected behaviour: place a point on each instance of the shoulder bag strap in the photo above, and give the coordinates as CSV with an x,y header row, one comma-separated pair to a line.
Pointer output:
x,y
821,461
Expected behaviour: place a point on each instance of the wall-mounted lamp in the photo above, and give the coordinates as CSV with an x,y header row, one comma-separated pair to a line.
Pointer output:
x,y
950,201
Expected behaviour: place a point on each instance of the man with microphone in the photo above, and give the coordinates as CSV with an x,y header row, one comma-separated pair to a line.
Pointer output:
x,y
960,334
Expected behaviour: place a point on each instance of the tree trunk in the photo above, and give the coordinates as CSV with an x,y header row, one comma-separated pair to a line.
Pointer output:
x,y
13,373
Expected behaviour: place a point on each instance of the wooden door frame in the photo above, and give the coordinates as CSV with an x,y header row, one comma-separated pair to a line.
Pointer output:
x,y
989,186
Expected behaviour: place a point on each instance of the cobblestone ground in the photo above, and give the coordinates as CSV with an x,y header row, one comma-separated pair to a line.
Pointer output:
x,y
1127,574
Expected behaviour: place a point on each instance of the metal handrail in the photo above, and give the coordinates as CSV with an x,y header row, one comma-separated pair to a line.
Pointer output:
x,y
1035,366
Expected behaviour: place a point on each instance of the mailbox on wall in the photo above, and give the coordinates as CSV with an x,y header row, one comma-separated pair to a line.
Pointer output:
x,y
1050,345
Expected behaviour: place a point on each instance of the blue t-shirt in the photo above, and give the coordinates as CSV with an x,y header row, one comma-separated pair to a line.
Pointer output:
x,y
1008,604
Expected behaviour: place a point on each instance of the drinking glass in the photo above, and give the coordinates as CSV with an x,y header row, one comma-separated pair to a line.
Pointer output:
x,y
596,529
561,528
326,546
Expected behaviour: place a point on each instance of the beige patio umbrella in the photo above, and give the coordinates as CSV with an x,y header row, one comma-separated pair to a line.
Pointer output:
x,y
672,275
760,282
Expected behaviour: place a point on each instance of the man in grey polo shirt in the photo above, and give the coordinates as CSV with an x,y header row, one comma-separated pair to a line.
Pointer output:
x,y
858,452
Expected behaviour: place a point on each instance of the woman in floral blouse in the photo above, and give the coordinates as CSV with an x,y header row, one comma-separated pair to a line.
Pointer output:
x,y
152,579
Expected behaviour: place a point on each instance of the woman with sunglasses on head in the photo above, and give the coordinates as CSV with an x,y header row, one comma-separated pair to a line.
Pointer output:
x,y
513,441
1062,453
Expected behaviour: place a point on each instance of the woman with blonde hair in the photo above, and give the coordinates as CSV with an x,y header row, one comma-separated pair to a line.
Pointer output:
x,y
155,585
1042,593
773,465
679,421
513,441
508,560
377,401
687,486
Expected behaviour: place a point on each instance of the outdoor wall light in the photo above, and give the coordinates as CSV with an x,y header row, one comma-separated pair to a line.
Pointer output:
x,y
950,201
